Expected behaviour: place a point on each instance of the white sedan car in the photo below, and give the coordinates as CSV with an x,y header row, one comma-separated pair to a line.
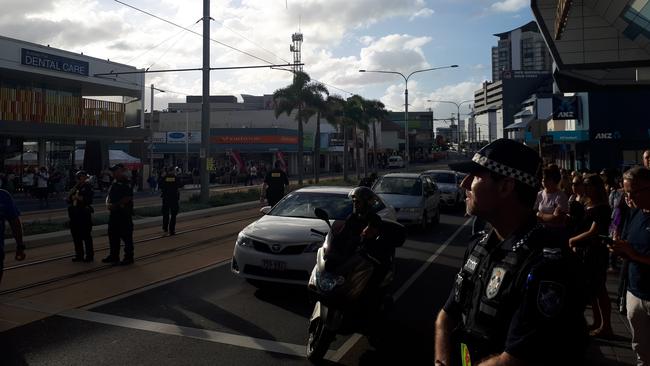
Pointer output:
x,y
280,246
451,194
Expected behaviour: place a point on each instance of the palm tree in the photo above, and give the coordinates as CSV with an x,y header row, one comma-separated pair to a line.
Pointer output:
x,y
318,106
376,112
298,96
334,113
355,115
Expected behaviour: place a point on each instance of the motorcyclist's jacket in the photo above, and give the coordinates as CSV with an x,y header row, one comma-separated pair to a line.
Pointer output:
x,y
522,295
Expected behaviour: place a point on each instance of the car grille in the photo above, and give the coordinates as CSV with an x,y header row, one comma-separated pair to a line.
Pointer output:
x,y
288,250
291,274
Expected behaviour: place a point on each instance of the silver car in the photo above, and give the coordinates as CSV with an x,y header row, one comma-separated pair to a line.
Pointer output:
x,y
448,182
280,246
415,197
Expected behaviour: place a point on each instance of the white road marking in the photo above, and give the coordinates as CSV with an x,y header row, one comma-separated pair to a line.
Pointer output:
x,y
347,346
430,260
195,333
155,285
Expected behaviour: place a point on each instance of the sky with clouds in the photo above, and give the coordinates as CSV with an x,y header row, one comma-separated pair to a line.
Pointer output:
x,y
340,37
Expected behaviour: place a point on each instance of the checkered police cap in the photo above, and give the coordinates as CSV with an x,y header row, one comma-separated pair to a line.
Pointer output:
x,y
505,157
505,170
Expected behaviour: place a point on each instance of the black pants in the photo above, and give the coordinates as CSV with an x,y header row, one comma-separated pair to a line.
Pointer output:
x,y
120,229
273,199
169,209
81,227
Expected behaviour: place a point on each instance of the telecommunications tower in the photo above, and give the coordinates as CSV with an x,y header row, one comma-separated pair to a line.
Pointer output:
x,y
295,48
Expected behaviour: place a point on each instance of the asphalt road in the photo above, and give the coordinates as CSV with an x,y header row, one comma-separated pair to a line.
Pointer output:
x,y
215,318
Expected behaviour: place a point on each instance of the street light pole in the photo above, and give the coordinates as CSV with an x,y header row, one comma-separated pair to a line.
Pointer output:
x,y
406,104
151,129
457,114
187,141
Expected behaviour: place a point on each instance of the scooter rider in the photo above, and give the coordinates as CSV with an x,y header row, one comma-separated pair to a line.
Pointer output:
x,y
364,234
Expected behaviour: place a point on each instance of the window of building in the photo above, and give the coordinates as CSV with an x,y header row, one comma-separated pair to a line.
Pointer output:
x,y
637,15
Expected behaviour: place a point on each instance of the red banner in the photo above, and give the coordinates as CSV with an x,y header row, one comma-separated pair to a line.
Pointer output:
x,y
263,139
241,166
279,156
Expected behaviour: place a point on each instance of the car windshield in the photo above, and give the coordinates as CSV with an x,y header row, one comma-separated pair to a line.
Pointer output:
x,y
302,204
444,178
395,185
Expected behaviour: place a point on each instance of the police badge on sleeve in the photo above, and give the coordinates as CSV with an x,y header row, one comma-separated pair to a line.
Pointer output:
x,y
550,298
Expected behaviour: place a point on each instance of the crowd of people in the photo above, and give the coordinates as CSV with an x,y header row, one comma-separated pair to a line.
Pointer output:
x,y
527,282
40,183
525,285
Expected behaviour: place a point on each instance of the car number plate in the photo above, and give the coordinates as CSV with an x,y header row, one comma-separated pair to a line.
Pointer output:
x,y
274,265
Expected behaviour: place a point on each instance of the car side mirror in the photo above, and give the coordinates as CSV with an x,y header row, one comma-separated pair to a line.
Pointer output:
x,y
265,210
321,214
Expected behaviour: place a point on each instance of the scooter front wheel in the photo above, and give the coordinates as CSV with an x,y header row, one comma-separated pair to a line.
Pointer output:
x,y
319,341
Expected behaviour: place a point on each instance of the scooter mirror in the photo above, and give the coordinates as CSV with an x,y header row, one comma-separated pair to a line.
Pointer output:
x,y
321,214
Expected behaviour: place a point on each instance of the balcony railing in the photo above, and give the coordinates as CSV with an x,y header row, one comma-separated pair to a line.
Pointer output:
x,y
48,106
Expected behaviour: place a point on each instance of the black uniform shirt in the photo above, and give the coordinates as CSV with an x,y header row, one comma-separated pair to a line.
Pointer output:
x,y
169,187
118,191
540,320
276,179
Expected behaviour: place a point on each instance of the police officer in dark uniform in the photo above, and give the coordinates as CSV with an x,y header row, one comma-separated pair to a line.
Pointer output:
x,y
274,184
80,212
518,298
170,197
119,202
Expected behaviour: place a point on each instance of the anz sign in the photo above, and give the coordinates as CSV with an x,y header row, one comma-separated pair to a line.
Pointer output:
x,y
616,135
565,107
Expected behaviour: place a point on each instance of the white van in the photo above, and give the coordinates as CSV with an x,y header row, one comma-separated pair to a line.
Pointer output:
x,y
395,162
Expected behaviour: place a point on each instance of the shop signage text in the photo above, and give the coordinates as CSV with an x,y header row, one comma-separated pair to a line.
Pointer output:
x,y
565,107
608,136
177,137
263,139
53,62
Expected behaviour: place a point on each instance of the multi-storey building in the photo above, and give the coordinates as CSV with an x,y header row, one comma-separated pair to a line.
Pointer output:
x,y
51,99
522,48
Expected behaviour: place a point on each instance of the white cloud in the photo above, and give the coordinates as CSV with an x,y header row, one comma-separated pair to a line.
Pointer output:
x,y
418,99
422,13
509,5
105,29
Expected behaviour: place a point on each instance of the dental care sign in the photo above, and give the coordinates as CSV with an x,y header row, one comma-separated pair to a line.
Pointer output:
x,y
53,62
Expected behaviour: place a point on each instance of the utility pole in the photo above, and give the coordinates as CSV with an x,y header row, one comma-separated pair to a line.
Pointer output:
x,y
205,108
187,142
151,129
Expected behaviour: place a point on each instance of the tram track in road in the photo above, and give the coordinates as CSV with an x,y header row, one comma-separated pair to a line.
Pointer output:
x,y
181,248
144,240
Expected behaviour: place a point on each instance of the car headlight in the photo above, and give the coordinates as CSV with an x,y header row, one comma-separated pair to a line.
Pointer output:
x,y
313,247
244,241
411,209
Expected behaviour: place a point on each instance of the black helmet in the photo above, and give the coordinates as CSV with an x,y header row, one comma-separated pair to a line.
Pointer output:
x,y
366,198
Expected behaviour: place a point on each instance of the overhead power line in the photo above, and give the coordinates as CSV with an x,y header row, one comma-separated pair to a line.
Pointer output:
x,y
223,44
158,45
191,31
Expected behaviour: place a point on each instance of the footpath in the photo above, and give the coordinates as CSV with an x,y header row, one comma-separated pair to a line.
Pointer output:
x,y
618,349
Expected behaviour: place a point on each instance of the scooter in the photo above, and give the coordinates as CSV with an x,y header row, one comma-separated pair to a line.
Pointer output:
x,y
339,281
